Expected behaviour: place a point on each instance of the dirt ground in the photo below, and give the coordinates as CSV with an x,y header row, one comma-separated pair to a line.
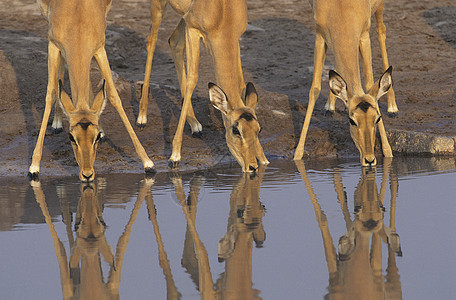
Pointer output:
x,y
277,55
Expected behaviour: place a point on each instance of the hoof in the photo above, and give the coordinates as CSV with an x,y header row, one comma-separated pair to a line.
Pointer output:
x,y
150,171
33,176
198,134
141,125
393,115
57,130
173,164
329,113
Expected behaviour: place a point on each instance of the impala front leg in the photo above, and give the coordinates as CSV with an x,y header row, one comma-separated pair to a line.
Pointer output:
x,y
319,60
260,153
114,98
54,58
157,7
386,148
193,49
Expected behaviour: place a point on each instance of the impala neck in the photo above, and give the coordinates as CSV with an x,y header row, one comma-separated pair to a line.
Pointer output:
x,y
343,37
79,72
228,71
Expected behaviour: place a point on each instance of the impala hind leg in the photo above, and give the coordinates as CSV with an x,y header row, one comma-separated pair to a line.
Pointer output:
x,y
192,48
381,32
54,58
177,44
103,64
330,105
57,122
319,60
157,7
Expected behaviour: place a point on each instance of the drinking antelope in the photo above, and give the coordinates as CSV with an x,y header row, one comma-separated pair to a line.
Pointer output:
x,y
244,227
343,26
76,35
219,24
356,272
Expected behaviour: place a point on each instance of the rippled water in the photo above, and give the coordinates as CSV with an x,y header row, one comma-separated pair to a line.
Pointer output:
x,y
295,231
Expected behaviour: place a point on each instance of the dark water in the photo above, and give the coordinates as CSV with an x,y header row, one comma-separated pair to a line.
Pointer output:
x,y
296,231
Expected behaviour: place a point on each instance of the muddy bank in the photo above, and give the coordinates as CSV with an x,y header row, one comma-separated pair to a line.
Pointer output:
x,y
277,55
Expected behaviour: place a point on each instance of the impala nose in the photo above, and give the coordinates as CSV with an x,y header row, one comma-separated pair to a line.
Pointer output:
x,y
252,168
369,161
87,177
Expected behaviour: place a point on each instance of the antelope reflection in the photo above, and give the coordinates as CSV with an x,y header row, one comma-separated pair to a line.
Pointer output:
x,y
81,277
356,273
235,247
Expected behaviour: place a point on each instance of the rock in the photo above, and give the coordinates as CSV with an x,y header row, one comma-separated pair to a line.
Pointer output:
x,y
421,143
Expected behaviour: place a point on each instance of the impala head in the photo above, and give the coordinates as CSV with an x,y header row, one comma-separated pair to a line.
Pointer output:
x,y
241,124
369,208
89,224
364,113
84,132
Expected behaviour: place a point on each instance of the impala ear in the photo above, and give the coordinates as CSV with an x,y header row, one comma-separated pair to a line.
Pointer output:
x,y
251,96
218,98
99,103
338,86
65,101
382,86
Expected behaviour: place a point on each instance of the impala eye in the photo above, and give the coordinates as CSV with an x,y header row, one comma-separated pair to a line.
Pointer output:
x,y
353,123
235,131
71,138
378,120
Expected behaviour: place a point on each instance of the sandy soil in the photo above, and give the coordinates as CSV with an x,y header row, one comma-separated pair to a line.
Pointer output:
x,y
277,56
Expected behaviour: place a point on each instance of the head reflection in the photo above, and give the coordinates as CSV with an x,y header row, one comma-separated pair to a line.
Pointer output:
x,y
356,272
234,248
81,276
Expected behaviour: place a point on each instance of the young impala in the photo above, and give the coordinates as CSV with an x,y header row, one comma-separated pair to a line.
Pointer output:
x,y
343,26
76,35
219,24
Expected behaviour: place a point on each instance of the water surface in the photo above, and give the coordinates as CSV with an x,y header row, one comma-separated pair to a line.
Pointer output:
x,y
295,231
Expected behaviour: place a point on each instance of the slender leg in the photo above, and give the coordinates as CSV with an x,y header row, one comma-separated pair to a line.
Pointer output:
x,y
192,51
114,98
260,153
381,32
177,44
157,7
387,152
54,58
330,105
319,59
328,244
57,123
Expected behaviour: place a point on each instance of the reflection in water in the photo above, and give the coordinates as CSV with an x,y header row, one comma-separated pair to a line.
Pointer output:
x,y
356,273
81,277
235,247
363,261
